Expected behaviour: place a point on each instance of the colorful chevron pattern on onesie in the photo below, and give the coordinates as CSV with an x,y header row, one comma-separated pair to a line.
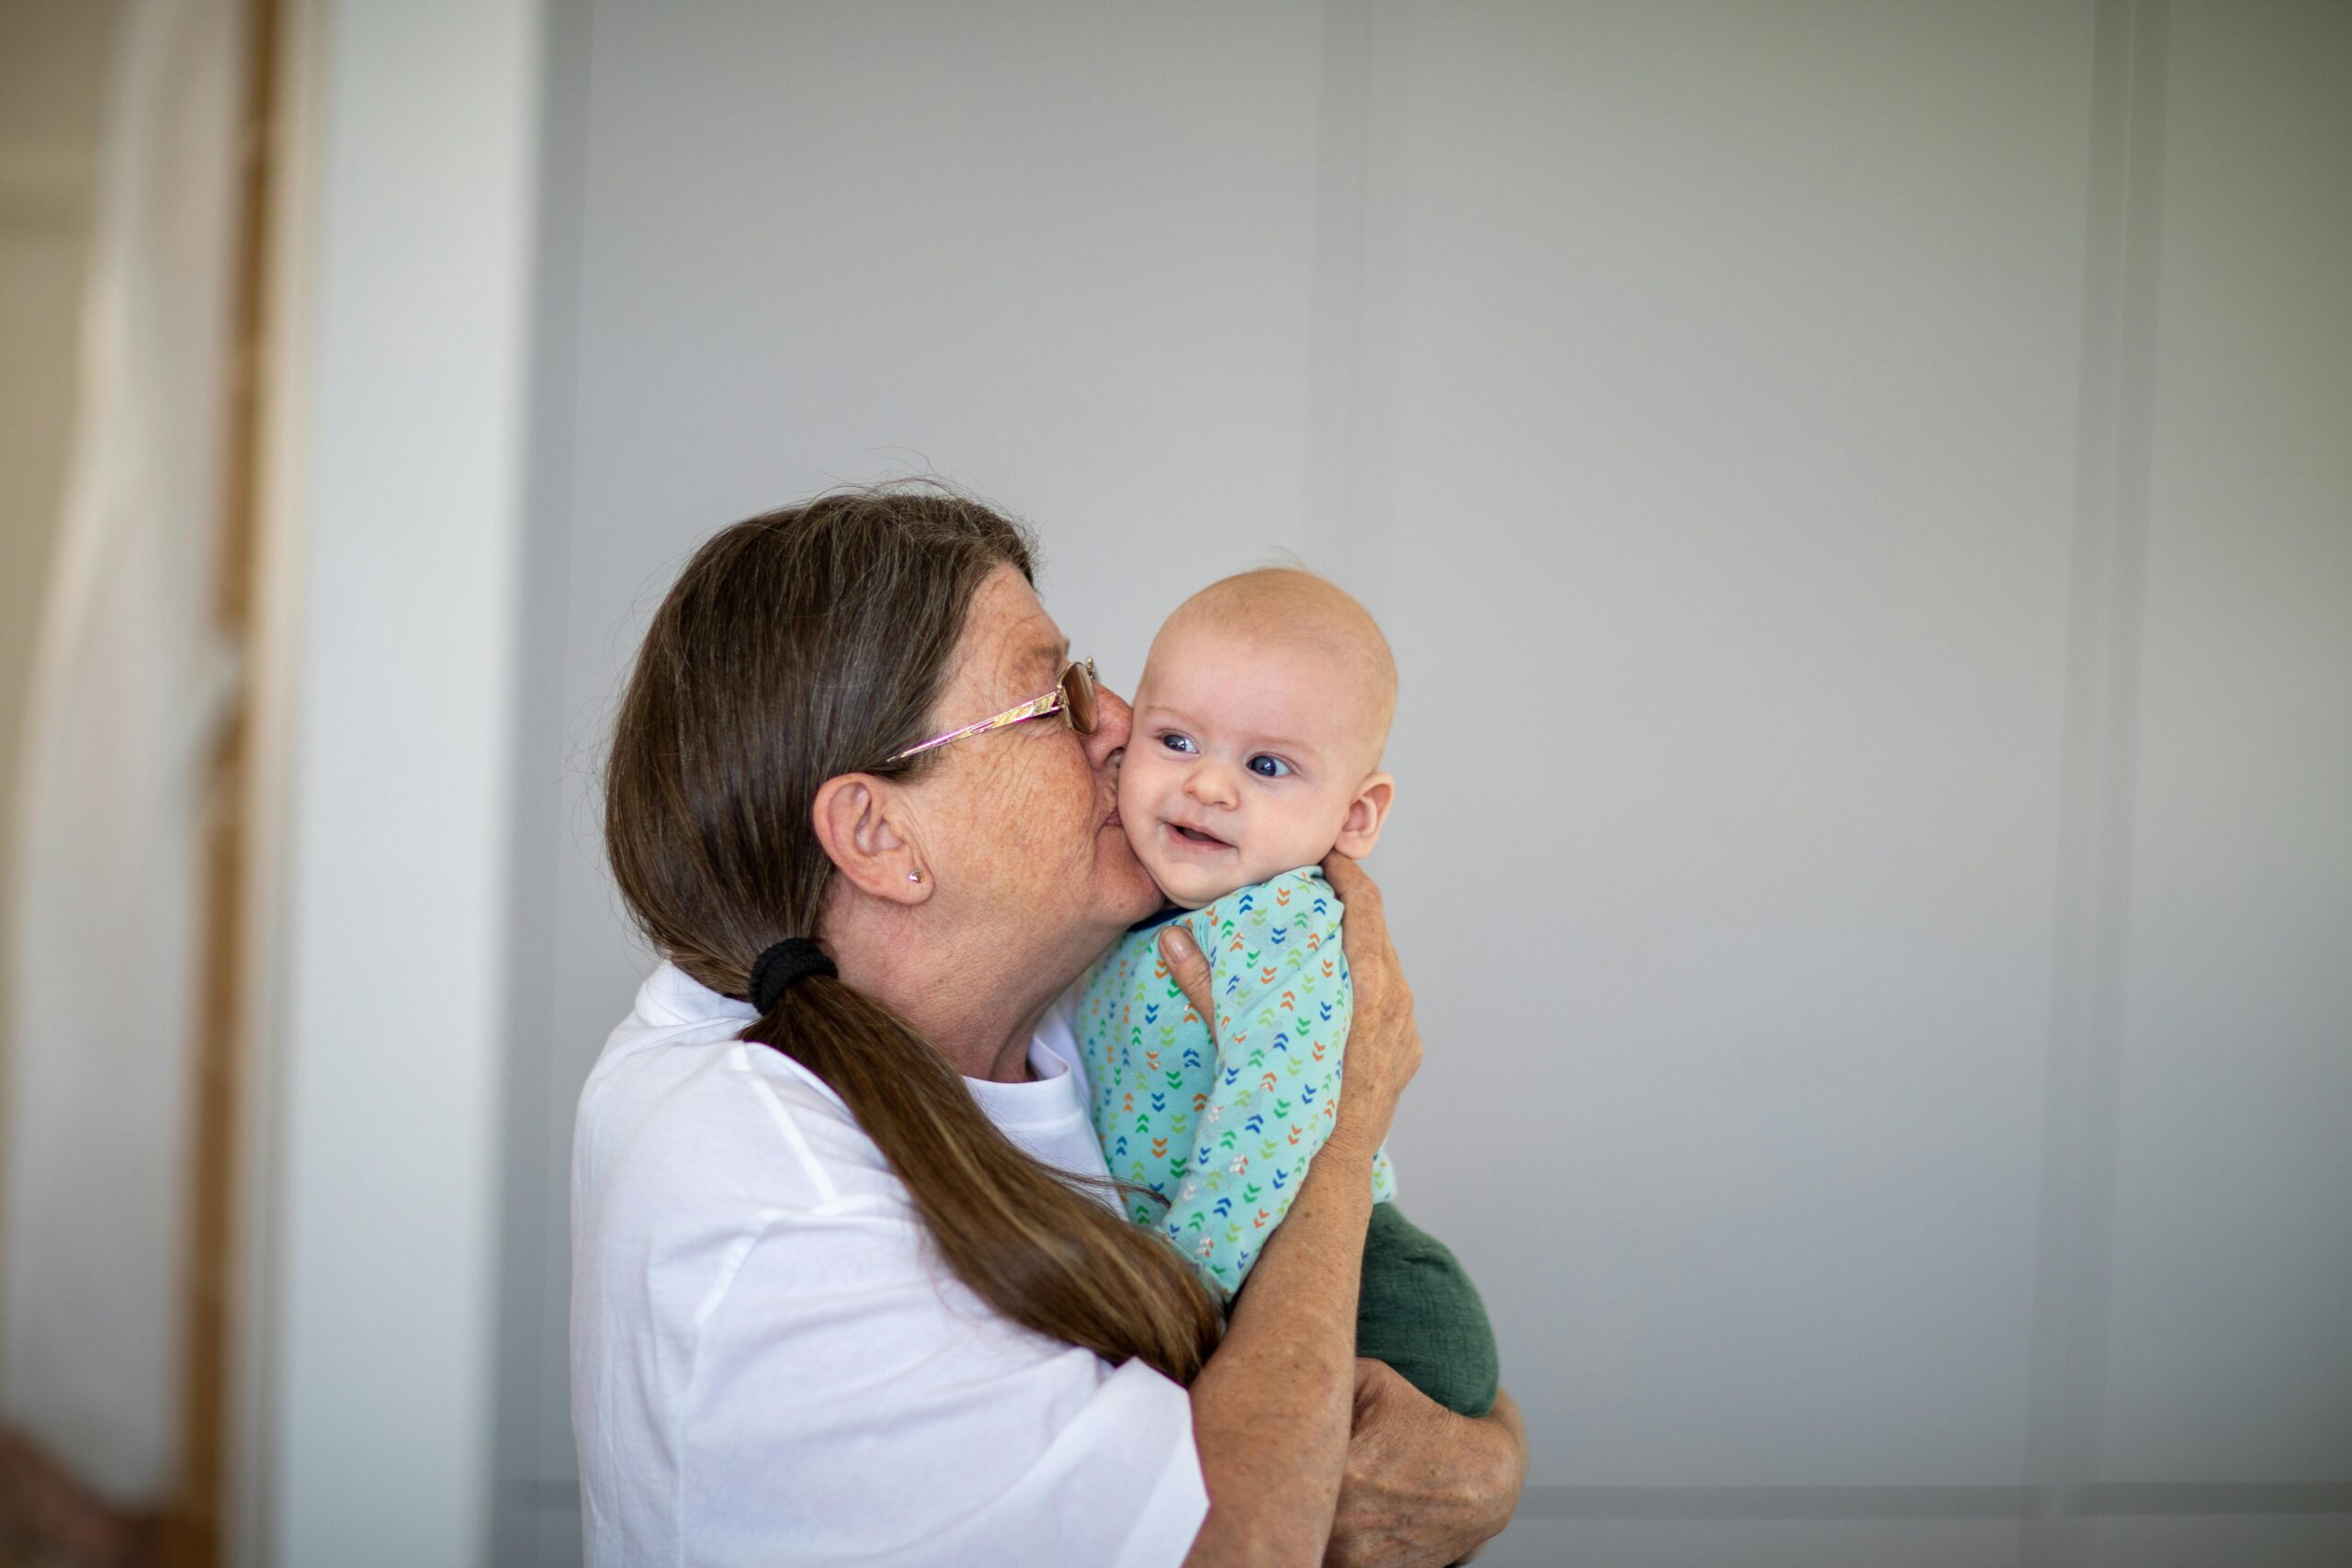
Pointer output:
x,y
1224,1136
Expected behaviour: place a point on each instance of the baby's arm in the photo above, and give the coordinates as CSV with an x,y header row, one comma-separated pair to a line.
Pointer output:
x,y
1283,1010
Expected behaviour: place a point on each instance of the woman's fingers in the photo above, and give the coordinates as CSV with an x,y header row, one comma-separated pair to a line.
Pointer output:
x,y
1381,994
1355,887
1422,1484
1189,970
1371,956
1384,1043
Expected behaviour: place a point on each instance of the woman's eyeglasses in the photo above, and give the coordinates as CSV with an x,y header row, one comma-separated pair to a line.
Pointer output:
x,y
1072,697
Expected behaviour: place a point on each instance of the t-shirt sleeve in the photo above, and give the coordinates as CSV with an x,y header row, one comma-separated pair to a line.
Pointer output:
x,y
850,1405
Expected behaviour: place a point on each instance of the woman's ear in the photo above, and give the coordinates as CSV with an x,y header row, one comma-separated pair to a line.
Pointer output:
x,y
861,822
1360,829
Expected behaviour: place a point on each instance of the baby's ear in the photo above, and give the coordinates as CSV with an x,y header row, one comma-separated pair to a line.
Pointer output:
x,y
1360,829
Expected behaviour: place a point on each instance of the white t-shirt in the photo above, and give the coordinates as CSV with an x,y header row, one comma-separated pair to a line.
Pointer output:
x,y
768,1366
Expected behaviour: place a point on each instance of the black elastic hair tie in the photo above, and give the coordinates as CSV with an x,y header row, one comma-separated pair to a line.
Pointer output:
x,y
785,966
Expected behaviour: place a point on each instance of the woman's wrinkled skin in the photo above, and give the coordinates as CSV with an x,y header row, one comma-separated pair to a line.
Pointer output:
x,y
1026,876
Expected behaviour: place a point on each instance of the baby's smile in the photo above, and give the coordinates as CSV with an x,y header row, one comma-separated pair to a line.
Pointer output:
x,y
1196,839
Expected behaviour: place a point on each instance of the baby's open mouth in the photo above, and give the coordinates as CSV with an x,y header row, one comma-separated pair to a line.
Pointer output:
x,y
1195,838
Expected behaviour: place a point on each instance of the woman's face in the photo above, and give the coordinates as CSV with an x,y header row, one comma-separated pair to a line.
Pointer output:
x,y
1021,825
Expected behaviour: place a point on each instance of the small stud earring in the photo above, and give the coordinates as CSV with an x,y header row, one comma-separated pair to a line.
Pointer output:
x,y
914,876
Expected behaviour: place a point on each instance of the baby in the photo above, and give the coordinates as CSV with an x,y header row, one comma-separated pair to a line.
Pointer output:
x,y
1259,727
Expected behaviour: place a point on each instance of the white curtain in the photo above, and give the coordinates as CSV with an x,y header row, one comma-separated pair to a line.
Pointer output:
x,y
129,685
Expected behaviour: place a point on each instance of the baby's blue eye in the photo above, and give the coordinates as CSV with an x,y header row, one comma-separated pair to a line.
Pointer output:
x,y
1268,767
1176,742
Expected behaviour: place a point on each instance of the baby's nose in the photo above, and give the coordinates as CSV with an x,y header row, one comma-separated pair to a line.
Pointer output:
x,y
1208,784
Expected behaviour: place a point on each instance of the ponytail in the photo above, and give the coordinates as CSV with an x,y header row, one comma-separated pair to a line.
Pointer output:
x,y
1035,1249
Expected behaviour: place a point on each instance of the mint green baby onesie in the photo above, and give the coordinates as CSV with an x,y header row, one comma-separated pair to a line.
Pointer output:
x,y
1224,1137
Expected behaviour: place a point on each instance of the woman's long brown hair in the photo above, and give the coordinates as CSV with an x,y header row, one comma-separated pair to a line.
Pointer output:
x,y
796,646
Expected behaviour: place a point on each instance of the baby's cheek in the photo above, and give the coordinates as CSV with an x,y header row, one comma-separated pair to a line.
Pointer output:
x,y
1139,817
1135,791
1138,824
1299,833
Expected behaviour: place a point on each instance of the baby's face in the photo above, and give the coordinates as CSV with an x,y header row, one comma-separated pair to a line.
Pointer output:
x,y
1245,759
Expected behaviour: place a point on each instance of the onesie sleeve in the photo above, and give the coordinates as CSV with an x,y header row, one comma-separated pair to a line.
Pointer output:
x,y
1279,977
1276,964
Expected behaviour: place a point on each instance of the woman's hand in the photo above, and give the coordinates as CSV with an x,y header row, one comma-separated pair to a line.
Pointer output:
x,y
1423,1486
1384,1043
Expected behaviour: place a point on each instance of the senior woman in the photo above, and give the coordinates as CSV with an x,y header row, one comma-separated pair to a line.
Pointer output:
x,y
850,1283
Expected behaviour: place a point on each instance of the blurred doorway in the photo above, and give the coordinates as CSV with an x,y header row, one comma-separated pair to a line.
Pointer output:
x,y
135,166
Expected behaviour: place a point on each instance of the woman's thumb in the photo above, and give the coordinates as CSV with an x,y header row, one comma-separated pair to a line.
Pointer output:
x,y
1189,969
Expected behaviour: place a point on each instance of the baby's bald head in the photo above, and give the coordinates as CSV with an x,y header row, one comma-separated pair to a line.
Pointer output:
x,y
1289,609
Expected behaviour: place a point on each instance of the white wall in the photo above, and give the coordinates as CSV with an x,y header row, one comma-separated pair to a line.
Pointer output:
x,y
404,419
2228,1351
1857,494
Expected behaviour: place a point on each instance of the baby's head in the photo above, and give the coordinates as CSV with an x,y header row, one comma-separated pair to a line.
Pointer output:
x,y
1259,725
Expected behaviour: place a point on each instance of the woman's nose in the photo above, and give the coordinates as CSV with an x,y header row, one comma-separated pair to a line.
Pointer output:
x,y
1113,720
